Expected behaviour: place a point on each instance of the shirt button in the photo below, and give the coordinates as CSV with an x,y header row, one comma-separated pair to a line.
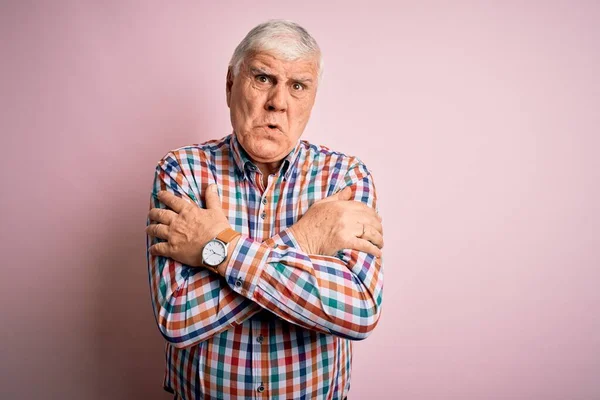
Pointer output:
x,y
252,168
264,200
238,283
260,389
259,339
263,215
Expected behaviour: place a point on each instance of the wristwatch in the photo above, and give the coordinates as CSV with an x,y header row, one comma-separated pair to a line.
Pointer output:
x,y
215,251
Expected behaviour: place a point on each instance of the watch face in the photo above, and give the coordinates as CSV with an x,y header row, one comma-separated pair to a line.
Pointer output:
x,y
214,253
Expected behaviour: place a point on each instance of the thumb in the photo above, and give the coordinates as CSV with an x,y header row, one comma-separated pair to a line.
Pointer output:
x,y
344,194
211,197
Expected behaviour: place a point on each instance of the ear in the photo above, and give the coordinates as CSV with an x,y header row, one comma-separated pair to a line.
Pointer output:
x,y
229,85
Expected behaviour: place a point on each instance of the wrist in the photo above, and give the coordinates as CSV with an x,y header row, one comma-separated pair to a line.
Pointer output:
x,y
300,238
222,268
216,253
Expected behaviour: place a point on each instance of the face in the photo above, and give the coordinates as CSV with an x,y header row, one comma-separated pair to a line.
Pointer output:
x,y
270,101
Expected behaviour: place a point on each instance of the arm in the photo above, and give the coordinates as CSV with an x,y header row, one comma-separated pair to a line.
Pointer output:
x,y
337,295
190,304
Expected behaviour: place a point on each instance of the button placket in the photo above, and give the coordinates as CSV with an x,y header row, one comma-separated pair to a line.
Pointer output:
x,y
258,358
263,203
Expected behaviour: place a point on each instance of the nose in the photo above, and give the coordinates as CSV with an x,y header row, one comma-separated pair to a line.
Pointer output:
x,y
277,100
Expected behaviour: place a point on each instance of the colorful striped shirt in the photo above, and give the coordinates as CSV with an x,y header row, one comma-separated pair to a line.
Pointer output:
x,y
279,324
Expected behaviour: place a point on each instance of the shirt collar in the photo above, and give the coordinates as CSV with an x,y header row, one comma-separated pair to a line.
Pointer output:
x,y
244,164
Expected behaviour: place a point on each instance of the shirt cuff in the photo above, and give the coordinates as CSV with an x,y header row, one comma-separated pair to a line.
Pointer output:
x,y
245,265
283,238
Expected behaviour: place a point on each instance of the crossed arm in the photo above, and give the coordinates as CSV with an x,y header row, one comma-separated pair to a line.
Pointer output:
x,y
284,274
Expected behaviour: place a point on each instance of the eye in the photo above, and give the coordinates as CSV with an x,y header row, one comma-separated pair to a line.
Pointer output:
x,y
297,86
262,78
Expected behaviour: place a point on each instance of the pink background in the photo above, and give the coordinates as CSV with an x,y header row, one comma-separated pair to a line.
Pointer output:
x,y
479,121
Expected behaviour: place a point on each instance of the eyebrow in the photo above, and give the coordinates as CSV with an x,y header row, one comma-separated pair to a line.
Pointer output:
x,y
259,70
263,71
303,80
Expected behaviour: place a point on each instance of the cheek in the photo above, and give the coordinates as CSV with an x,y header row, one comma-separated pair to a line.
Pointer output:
x,y
250,99
243,112
301,115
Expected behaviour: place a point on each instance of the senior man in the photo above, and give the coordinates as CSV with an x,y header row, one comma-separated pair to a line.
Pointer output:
x,y
264,250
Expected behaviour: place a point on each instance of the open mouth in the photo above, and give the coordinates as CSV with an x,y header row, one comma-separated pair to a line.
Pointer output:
x,y
273,127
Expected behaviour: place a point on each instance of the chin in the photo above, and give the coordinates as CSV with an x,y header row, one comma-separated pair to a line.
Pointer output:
x,y
263,145
266,155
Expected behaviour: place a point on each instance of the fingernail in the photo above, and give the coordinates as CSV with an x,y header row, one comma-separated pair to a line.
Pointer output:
x,y
213,187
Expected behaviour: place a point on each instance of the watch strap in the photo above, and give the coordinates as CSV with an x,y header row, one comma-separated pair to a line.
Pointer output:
x,y
227,235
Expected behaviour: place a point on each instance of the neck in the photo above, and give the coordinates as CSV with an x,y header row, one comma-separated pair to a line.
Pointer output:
x,y
268,168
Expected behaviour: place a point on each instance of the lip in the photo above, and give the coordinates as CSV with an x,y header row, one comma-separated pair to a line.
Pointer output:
x,y
272,127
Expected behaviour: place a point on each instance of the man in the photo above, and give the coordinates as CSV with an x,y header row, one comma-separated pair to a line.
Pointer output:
x,y
265,249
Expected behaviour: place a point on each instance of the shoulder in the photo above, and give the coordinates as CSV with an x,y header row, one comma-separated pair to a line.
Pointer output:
x,y
324,158
196,154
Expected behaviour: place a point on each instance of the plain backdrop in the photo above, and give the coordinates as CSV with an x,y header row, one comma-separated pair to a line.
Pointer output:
x,y
479,121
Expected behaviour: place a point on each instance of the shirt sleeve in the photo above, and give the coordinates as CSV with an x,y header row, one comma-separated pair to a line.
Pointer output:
x,y
190,304
338,295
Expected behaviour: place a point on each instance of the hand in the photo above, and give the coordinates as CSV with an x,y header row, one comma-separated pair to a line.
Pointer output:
x,y
336,223
187,228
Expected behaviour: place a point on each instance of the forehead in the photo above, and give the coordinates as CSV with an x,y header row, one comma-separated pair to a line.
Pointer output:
x,y
274,64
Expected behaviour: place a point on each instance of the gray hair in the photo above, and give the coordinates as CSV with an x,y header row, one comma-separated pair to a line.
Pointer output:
x,y
285,38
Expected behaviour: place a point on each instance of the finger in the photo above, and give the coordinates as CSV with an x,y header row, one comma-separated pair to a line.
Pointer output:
x,y
162,215
364,214
359,206
373,236
373,222
211,197
365,246
160,249
367,215
158,230
344,194
175,203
